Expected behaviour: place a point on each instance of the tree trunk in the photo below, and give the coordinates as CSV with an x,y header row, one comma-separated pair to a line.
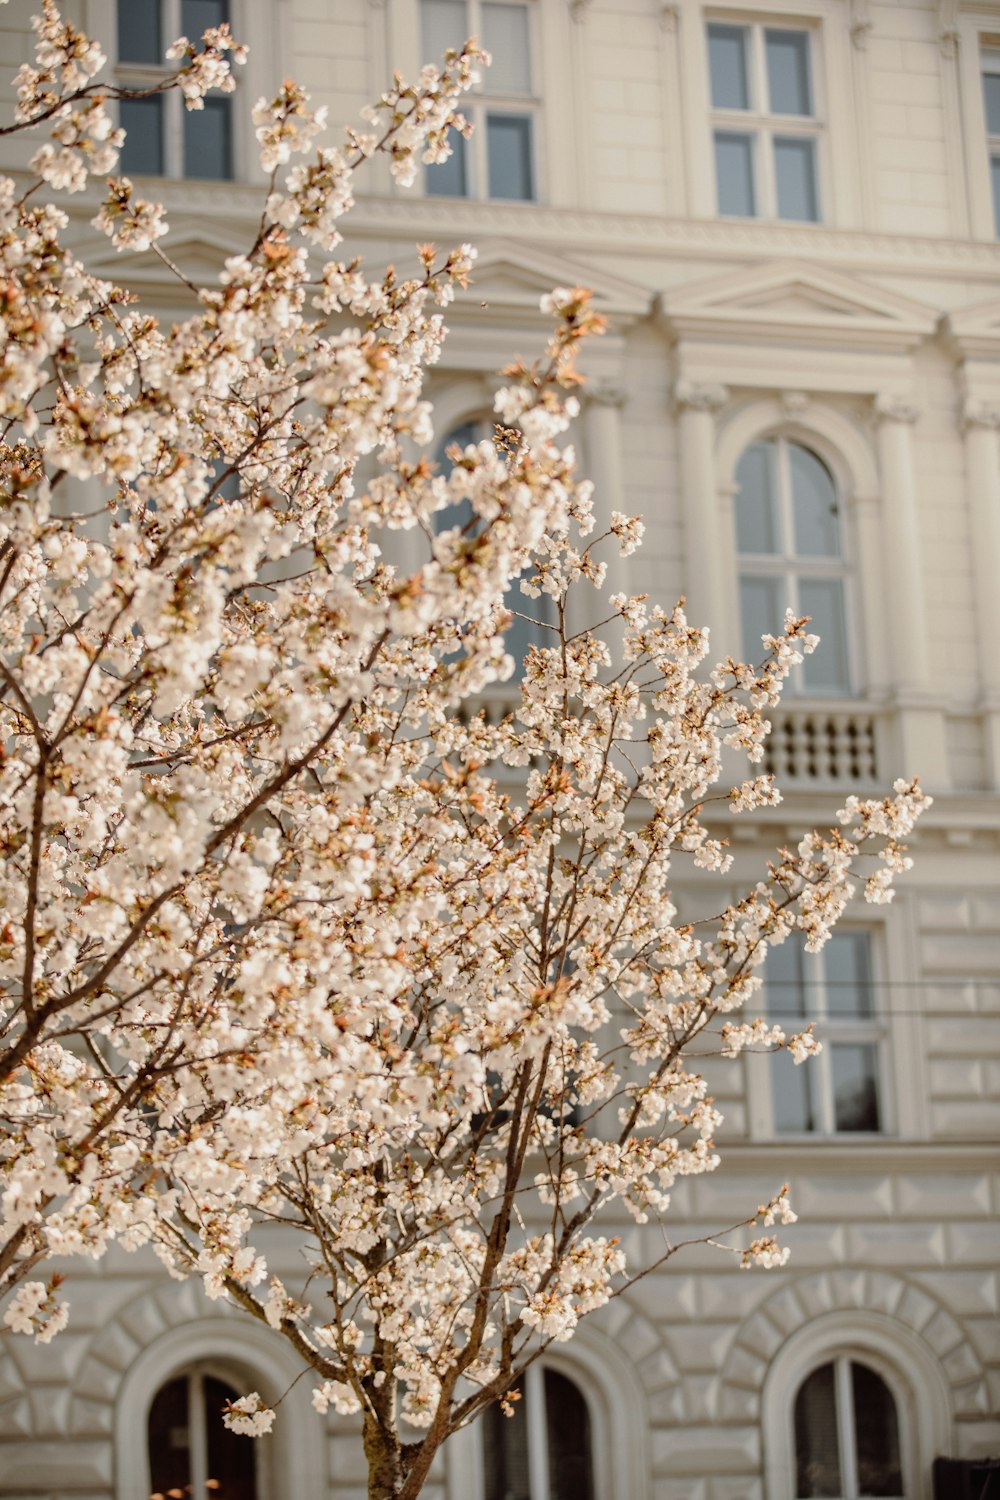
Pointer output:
x,y
385,1469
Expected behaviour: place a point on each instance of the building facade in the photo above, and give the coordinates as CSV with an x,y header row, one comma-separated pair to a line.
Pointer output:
x,y
790,212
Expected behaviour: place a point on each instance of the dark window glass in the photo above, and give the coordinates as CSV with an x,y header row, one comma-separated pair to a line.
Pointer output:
x,y
991,102
140,38
734,174
198,15
788,72
817,528
855,1091
756,523
168,1434
208,150
505,1453
567,1422
995,179
727,61
449,179
877,1432
231,1455
817,1453
508,154
142,120
847,963
795,174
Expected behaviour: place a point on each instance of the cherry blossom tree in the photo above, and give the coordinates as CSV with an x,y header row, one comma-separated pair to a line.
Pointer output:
x,y
294,932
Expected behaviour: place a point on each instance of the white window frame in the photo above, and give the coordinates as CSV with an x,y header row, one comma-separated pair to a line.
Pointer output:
x,y
977,35
481,101
258,23
787,565
849,1029
761,124
989,58
922,1397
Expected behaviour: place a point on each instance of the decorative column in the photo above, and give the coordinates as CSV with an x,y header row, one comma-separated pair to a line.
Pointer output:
x,y
982,476
708,579
605,466
920,719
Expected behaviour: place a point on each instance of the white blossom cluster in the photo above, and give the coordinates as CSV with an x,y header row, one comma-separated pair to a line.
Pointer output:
x,y
279,939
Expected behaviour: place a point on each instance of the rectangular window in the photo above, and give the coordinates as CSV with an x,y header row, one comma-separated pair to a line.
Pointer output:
x,y
499,160
840,1091
991,109
764,122
162,137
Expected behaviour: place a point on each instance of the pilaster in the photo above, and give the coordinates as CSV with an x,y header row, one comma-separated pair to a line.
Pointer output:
x,y
707,581
980,421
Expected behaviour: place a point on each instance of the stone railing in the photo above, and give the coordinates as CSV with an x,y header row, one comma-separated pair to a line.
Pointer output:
x,y
831,745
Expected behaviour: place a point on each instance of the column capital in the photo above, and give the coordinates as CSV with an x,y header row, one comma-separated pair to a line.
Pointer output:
x,y
979,414
896,406
701,395
604,393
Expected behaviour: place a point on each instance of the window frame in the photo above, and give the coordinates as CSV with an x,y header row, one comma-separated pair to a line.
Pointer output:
x,y
481,102
976,35
762,125
989,48
788,566
874,1030
194,1375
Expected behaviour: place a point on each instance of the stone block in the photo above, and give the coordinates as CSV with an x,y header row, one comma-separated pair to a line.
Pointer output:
x,y
50,1410
690,1449
897,1244
743,1487
951,1194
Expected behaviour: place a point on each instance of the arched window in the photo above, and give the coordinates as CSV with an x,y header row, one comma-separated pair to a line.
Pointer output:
x,y
192,1454
545,1450
789,536
530,616
846,1434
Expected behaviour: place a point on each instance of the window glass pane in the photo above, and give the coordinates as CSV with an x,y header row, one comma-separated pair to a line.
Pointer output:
x,y
761,612
788,72
785,978
528,631
756,521
443,24
448,179
995,179
991,100
792,1095
140,39
198,15
231,1456
505,37
795,175
505,1453
142,120
855,1090
822,599
817,1456
508,155
567,1428
208,148
847,972
727,61
877,1433
817,527
168,1435
734,174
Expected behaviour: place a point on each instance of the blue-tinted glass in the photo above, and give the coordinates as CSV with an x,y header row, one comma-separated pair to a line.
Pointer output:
x,y
734,174
795,174
756,525
791,1095
727,61
198,15
505,35
443,24
817,525
827,669
142,120
528,626
991,100
448,179
847,974
140,39
788,72
855,1092
784,979
761,613
508,155
208,150
995,178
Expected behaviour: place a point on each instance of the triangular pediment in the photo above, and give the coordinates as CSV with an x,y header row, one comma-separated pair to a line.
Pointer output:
x,y
508,279
787,300
199,254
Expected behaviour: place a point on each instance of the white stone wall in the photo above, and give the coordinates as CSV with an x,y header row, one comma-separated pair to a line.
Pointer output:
x,y
892,305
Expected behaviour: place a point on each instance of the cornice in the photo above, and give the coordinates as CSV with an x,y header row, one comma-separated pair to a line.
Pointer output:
x,y
874,1154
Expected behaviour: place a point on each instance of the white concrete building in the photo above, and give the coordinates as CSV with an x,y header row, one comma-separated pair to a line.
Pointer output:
x,y
790,211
